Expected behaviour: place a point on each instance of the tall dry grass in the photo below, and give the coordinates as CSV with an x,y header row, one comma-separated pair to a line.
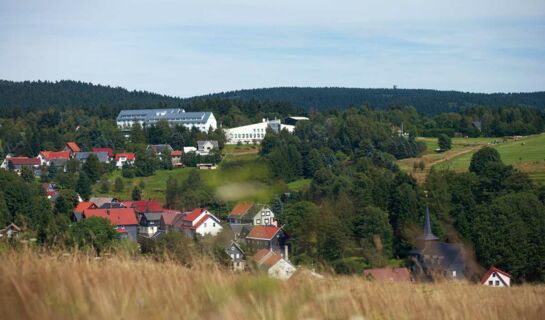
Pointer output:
x,y
57,286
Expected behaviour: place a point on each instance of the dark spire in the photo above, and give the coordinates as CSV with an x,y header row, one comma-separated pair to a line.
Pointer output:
x,y
428,234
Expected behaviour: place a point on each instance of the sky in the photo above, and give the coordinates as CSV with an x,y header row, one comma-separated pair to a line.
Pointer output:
x,y
186,48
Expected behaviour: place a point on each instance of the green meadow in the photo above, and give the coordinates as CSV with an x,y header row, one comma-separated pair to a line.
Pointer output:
x,y
238,177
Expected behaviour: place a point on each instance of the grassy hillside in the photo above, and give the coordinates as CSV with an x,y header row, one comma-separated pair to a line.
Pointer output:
x,y
527,154
60,286
240,176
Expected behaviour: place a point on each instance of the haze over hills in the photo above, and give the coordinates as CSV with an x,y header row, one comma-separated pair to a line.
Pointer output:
x,y
34,95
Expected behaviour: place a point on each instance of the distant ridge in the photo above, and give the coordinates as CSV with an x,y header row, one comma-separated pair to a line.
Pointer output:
x,y
66,94
424,100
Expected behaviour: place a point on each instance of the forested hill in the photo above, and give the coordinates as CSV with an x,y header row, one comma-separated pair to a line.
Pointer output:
x,y
35,95
426,101
20,97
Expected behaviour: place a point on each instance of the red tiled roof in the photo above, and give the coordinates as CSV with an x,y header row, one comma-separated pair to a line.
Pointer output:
x,y
130,156
168,217
82,206
389,274
241,208
492,270
266,257
142,206
118,217
55,154
263,232
21,161
176,153
123,231
73,146
194,214
108,150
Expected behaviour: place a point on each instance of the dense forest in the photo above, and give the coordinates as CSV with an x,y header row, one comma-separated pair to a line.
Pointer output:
x,y
429,102
18,97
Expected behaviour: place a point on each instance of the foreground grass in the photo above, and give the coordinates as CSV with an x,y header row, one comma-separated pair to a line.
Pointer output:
x,y
51,286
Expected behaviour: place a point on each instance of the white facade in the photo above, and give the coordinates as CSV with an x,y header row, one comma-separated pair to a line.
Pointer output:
x,y
254,132
210,226
265,217
497,279
282,269
122,160
203,121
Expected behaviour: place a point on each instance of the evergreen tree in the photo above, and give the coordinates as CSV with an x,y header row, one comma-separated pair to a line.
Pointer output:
x,y
104,186
27,174
444,141
137,134
119,186
136,194
92,168
84,186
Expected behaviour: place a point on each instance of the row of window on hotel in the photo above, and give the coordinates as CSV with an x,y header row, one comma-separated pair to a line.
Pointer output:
x,y
248,135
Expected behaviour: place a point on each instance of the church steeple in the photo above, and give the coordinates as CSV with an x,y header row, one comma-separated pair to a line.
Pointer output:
x,y
428,234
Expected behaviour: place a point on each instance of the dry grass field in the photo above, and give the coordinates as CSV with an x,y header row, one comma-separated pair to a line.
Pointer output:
x,y
57,286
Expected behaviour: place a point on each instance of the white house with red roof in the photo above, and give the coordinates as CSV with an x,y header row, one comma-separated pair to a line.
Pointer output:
x,y
495,277
124,158
276,266
201,222
46,156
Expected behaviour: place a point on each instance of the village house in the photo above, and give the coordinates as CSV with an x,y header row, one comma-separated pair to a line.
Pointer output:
x,y
276,266
176,156
72,148
80,208
11,231
254,214
159,149
388,274
47,156
189,149
17,164
433,259
495,277
109,152
123,219
102,156
100,201
205,147
200,222
149,223
236,254
168,220
267,237
122,159
58,164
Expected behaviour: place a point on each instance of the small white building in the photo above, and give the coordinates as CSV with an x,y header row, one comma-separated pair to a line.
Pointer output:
x,y
205,147
124,158
201,222
496,278
276,266
254,133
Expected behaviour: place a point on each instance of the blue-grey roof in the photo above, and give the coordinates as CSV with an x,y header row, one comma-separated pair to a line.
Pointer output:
x,y
152,116
102,156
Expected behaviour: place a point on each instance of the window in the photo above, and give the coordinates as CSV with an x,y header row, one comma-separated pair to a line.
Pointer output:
x,y
232,256
237,255
258,221
213,224
454,274
490,283
266,221
497,282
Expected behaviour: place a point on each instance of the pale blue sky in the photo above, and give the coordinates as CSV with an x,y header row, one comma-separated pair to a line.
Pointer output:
x,y
186,48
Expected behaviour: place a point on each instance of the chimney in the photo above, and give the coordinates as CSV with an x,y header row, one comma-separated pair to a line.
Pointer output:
x,y
286,257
